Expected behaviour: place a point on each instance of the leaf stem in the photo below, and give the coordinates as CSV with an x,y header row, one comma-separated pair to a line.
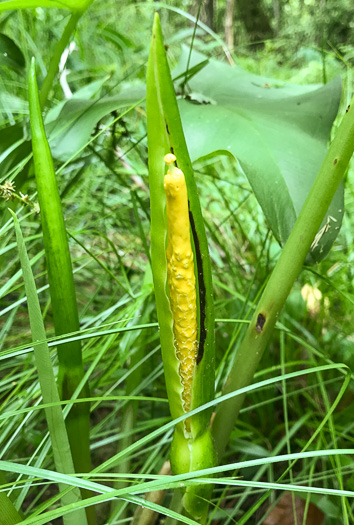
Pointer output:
x,y
284,275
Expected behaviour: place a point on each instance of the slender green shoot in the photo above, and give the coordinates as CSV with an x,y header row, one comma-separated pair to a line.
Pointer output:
x,y
61,284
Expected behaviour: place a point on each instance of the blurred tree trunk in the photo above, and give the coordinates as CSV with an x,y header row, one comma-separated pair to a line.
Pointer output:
x,y
229,23
255,19
209,13
276,14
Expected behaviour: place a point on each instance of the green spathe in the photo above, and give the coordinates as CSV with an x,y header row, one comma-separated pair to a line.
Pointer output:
x,y
165,134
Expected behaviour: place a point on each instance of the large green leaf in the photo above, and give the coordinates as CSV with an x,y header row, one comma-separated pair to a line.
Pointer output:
x,y
12,104
69,133
14,149
77,118
277,131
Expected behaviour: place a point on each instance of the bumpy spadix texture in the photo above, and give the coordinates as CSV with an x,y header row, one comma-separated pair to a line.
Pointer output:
x,y
181,278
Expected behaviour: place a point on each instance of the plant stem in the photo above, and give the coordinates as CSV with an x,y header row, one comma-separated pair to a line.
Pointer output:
x,y
58,51
145,516
62,289
283,277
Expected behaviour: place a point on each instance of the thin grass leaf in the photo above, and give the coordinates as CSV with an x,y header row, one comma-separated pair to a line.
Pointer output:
x,y
54,415
146,439
190,478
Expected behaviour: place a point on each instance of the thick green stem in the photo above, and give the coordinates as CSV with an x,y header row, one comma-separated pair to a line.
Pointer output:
x,y
58,51
284,275
62,290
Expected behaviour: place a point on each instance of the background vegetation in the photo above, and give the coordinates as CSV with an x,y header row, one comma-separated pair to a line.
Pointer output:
x,y
104,190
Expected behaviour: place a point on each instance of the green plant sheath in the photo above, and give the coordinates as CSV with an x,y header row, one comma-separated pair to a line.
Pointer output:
x,y
61,283
165,134
313,213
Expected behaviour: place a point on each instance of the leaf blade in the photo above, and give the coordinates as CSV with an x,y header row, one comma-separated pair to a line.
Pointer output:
x,y
277,131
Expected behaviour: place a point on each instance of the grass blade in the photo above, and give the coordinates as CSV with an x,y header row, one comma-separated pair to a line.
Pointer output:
x,y
8,513
54,415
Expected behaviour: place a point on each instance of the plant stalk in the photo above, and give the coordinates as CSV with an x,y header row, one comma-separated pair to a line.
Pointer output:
x,y
62,290
284,275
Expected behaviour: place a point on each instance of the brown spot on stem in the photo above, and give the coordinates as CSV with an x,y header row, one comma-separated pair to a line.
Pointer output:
x,y
335,161
260,323
348,108
168,131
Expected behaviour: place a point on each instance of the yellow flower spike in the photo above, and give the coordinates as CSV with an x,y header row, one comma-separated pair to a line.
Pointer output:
x,y
181,278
